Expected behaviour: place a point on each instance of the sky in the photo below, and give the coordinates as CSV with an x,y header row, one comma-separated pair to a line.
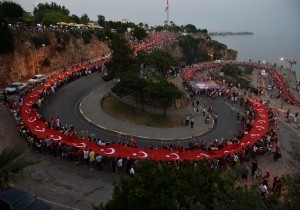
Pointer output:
x,y
231,15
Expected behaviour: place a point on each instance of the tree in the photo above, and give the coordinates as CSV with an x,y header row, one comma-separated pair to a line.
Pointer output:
x,y
9,9
101,20
159,28
292,185
162,91
84,19
12,164
187,185
189,28
42,9
139,33
194,185
122,55
53,17
75,18
131,84
160,59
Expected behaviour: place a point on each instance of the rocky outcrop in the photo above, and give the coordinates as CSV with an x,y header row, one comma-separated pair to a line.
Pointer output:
x,y
27,60
209,46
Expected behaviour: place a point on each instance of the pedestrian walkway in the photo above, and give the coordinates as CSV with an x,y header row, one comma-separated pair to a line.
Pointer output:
x,y
90,108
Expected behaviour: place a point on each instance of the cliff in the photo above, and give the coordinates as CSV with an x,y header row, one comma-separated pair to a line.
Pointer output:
x,y
209,49
27,59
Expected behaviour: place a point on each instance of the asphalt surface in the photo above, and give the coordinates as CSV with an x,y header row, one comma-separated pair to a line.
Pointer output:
x,y
65,104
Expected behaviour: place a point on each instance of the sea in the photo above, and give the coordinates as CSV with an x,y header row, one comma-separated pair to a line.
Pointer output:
x,y
268,47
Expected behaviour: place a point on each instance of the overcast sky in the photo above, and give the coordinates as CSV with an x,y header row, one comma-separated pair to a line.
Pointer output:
x,y
236,15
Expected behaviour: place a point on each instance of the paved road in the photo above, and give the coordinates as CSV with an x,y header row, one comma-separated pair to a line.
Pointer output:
x,y
66,101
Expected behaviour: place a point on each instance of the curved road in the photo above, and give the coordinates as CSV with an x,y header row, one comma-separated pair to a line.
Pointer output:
x,y
65,105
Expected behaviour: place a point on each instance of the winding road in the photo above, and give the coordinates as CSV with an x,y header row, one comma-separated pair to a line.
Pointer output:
x,y
66,101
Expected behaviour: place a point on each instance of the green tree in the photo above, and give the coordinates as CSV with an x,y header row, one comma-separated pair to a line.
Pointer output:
x,y
292,185
75,18
122,55
159,28
12,164
10,10
101,20
160,59
139,33
6,39
131,84
190,185
84,19
162,91
53,17
189,28
42,9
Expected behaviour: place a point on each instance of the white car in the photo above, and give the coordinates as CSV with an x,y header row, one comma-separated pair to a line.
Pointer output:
x,y
37,79
15,87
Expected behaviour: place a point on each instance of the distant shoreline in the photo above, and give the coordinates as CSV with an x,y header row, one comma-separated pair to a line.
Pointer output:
x,y
230,33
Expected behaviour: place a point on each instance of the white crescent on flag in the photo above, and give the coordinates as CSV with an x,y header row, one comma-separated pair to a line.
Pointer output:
x,y
261,121
260,128
111,151
202,154
31,119
29,103
80,145
174,155
56,137
254,135
141,152
39,129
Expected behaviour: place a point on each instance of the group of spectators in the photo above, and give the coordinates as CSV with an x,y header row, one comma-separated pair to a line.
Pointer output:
x,y
88,158
153,41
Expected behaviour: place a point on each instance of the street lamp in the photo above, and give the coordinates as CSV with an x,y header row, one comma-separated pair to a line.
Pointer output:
x,y
291,62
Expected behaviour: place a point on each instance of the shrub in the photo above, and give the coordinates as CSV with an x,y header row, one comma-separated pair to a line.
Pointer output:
x,y
6,39
76,33
86,37
40,41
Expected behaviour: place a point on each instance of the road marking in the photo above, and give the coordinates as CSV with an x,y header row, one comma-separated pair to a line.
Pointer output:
x,y
57,204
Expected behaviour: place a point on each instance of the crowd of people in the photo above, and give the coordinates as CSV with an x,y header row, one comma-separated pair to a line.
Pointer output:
x,y
82,156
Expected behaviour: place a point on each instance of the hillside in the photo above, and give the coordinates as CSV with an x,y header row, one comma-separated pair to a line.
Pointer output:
x,y
42,52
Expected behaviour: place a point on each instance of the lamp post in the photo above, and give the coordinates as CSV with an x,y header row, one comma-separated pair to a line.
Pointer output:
x,y
291,62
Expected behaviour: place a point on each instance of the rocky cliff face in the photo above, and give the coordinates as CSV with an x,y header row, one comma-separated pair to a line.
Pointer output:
x,y
226,54
26,60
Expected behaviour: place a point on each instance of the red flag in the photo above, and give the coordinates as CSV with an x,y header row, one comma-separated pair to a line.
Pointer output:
x,y
167,7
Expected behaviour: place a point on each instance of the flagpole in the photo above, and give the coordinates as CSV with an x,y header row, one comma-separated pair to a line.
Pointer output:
x,y
168,16
167,10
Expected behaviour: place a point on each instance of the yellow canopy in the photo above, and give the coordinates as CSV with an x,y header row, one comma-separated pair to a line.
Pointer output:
x,y
62,23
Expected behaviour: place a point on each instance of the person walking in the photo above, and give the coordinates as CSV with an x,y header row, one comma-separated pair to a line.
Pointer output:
x,y
192,121
187,120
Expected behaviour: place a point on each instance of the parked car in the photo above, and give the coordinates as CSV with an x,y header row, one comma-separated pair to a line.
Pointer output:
x,y
14,198
15,87
269,87
37,79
